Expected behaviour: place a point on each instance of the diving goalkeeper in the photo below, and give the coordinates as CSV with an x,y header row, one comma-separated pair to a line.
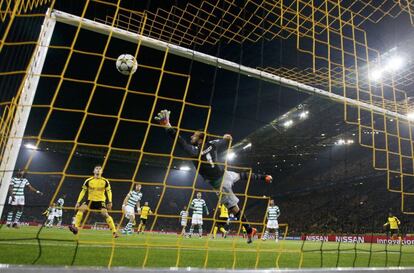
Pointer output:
x,y
213,173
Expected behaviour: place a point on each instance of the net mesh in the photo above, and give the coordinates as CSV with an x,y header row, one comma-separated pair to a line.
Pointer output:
x,y
86,117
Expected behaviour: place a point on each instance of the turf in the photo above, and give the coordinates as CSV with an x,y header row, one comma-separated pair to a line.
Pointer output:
x,y
95,247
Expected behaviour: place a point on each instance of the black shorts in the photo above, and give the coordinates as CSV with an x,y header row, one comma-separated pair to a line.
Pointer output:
x,y
97,204
394,231
223,222
143,221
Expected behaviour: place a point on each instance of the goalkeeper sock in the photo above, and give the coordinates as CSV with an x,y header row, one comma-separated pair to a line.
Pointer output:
x,y
244,219
215,232
9,218
78,218
223,230
111,223
143,228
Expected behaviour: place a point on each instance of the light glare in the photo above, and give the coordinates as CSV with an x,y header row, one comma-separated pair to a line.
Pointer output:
x,y
288,123
231,156
395,63
185,168
30,146
410,116
247,146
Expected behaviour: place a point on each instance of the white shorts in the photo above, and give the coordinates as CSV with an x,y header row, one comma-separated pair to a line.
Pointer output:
x,y
197,219
18,200
228,198
272,224
128,210
184,223
58,213
51,216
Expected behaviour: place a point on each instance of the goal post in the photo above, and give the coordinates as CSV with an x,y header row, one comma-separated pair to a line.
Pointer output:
x,y
25,99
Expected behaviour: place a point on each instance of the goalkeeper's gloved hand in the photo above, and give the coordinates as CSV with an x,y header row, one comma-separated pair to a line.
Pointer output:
x,y
163,117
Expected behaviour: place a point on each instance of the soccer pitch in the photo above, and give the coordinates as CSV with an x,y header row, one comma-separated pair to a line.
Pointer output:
x,y
150,250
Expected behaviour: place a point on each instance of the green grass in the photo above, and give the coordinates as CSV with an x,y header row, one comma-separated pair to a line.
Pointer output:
x,y
58,247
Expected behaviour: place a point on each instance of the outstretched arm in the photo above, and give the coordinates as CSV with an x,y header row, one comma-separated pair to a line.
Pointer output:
x,y
163,118
257,176
34,190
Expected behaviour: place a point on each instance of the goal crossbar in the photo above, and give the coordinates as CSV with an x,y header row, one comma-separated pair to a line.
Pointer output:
x,y
129,36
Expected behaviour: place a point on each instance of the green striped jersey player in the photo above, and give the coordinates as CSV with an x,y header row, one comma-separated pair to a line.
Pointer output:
x,y
273,212
16,197
59,209
132,200
198,205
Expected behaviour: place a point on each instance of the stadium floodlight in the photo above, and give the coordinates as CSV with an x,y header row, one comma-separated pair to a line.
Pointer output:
x,y
30,146
288,123
395,63
304,114
231,156
410,116
340,142
185,168
376,74
247,146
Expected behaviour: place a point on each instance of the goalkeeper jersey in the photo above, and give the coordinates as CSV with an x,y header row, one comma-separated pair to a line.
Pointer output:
x,y
209,169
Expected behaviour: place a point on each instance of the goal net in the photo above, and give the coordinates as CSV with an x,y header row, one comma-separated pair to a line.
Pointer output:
x,y
67,109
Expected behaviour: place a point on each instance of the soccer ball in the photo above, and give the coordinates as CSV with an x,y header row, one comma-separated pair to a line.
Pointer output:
x,y
126,64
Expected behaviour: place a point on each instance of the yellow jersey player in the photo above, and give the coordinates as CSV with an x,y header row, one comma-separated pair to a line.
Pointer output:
x,y
393,224
99,191
145,211
222,221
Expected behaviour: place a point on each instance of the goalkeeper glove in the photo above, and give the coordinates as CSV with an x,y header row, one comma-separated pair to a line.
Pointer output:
x,y
163,117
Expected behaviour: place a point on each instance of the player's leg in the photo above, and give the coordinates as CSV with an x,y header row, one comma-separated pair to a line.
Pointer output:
x,y
277,235
130,224
215,231
141,223
11,212
191,228
230,200
59,218
129,214
49,222
222,227
109,221
200,230
79,215
144,222
19,213
266,234
183,225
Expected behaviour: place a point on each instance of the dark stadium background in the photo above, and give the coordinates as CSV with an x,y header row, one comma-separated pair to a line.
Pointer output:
x,y
319,186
